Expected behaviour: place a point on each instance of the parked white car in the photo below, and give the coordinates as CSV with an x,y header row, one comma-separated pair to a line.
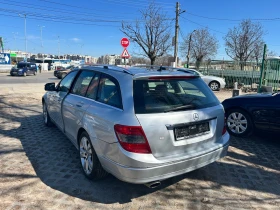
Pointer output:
x,y
215,83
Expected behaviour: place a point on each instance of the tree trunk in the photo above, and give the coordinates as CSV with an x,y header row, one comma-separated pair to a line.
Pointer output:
x,y
152,61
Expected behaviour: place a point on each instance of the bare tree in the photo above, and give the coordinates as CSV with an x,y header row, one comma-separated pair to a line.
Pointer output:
x,y
138,60
202,45
242,40
164,60
151,33
257,53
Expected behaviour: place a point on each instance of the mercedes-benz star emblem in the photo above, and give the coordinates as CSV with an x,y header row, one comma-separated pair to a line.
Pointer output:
x,y
195,116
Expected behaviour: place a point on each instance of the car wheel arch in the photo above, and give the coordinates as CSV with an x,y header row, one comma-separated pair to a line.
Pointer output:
x,y
80,131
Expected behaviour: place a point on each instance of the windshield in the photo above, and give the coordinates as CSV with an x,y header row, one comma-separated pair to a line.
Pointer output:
x,y
171,95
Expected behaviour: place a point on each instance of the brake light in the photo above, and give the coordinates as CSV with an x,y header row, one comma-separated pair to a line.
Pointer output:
x,y
132,139
172,77
225,126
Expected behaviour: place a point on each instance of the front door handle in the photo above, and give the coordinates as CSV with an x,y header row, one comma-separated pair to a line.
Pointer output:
x,y
80,104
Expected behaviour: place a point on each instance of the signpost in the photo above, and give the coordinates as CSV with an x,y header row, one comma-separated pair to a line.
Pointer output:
x,y
5,58
125,44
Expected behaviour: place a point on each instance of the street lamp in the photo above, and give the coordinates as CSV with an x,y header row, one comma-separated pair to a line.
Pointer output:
x,y
41,28
82,50
24,15
15,38
189,48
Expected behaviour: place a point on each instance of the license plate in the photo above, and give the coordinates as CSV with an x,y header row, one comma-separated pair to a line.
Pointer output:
x,y
190,131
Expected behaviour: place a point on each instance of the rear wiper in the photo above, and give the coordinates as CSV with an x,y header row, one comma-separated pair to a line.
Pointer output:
x,y
189,106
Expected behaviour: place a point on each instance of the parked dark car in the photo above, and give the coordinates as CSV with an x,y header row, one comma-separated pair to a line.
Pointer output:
x,y
62,72
248,113
24,69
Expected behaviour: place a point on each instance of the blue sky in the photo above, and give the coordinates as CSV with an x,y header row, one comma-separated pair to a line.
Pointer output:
x,y
92,27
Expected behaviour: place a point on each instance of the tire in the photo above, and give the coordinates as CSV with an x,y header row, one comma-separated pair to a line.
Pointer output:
x,y
24,74
62,76
47,120
35,73
91,166
214,85
239,123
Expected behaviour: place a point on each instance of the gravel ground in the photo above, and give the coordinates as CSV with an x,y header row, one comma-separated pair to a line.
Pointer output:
x,y
40,169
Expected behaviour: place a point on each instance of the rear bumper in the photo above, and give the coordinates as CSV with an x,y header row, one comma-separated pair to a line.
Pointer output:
x,y
161,172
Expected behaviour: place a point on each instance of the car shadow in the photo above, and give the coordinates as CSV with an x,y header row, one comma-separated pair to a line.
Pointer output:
x,y
53,78
56,163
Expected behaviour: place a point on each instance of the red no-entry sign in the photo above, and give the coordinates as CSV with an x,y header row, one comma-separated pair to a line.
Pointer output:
x,y
125,42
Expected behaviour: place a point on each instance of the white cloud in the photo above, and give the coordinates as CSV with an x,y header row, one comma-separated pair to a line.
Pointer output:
x,y
76,39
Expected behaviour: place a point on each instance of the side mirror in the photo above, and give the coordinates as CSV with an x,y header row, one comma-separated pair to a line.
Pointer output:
x,y
50,86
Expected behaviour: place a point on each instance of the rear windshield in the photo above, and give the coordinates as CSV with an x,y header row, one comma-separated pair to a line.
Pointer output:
x,y
169,95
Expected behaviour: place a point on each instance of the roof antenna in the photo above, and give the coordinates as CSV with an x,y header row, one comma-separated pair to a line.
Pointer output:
x,y
160,68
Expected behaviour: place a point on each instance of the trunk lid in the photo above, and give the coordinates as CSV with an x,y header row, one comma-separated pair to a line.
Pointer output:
x,y
180,116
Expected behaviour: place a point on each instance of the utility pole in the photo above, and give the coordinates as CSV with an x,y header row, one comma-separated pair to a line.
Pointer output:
x,y
176,33
24,15
41,27
58,49
189,49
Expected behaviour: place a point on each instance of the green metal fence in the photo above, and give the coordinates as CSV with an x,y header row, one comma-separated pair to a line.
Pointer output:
x,y
271,74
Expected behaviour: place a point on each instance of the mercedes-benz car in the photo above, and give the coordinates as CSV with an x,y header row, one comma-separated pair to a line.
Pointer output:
x,y
140,125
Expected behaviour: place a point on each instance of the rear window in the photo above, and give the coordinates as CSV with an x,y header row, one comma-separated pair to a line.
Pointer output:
x,y
168,95
22,65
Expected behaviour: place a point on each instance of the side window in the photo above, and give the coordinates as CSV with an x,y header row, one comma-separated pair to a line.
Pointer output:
x,y
109,92
93,87
82,83
66,82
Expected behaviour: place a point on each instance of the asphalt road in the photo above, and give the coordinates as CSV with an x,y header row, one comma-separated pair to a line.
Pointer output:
x,y
44,77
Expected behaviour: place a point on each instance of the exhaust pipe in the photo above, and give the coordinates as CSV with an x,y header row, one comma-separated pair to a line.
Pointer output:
x,y
153,184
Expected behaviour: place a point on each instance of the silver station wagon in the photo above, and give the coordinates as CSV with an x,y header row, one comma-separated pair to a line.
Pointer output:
x,y
140,125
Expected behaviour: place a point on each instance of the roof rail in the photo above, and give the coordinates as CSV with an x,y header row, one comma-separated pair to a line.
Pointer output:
x,y
113,68
155,67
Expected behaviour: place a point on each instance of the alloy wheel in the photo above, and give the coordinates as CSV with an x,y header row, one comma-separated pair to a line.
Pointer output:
x,y
237,123
214,86
86,155
45,113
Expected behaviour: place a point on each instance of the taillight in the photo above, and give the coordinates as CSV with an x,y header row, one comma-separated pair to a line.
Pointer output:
x,y
132,138
225,126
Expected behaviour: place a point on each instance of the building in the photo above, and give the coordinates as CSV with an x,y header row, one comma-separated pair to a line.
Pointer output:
x,y
109,59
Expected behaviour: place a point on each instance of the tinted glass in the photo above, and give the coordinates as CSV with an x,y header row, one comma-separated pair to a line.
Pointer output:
x,y
65,84
109,92
93,87
21,65
155,96
82,83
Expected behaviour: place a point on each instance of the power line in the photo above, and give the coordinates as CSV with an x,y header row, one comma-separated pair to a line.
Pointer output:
x,y
58,10
203,25
59,21
226,19
126,3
